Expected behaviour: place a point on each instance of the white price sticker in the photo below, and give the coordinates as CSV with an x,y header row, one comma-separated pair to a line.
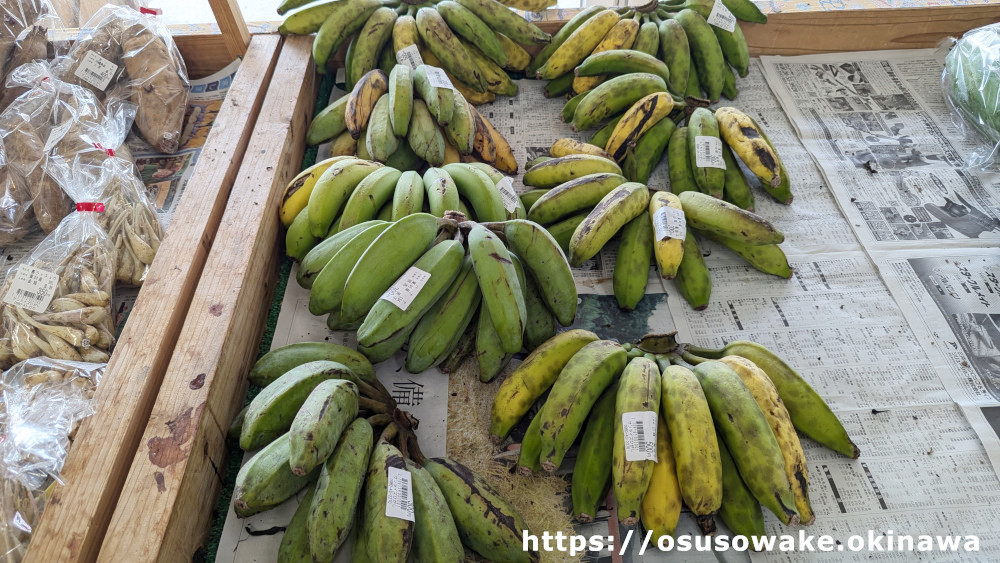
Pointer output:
x,y
32,289
406,288
708,152
639,429
669,223
96,70
437,78
409,56
721,17
399,500
507,194
57,134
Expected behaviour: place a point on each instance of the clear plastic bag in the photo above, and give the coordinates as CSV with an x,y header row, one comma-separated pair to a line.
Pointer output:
x,y
128,54
24,26
971,81
130,220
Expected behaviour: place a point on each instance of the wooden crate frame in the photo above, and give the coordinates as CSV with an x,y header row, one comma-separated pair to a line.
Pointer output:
x,y
143,473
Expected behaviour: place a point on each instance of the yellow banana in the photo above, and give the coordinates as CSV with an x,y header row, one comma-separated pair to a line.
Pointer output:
x,y
661,506
580,44
748,142
621,36
766,395
362,100
497,79
517,57
669,230
297,192
344,145
404,33
503,156
566,147
639,118
638,394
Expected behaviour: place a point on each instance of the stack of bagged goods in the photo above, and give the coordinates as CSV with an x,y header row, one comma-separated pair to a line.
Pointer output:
x,y
422,278
324,423
24,39
693,45
474,41
719,436
408,118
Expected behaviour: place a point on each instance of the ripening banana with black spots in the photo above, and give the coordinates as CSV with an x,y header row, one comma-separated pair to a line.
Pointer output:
x,y
747,141
532,378
703,141
441,41
578,45
332,190
707,213
321,419
297,192
494,76
502,19
369,42
743,426
467,25
661,505
648,151
435,535
621,36
782,193
620,206
573,196
388,538
669,232
622,61
502,294
503,156
614,96
561,36
404,33
566,147
592,470
638,395
587,374
547,264
343,20
551,173
643,115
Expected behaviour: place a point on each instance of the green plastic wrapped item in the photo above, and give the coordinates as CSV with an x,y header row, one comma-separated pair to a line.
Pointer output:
x,y
972,86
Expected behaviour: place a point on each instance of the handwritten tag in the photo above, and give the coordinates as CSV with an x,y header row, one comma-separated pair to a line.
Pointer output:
x,y
410,56
639,428
406,288
708,152
32,289
96,70
721,17
437,78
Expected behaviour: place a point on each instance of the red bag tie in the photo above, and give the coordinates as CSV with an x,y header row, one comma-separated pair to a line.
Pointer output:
x,y
99,146
97,207
151,11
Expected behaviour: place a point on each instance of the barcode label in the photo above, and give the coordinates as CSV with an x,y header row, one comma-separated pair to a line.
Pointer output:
x,y
669,223
708,152
409,56
406,288
437,78
721,17
507,194
399,500
96,70
639,428
32,289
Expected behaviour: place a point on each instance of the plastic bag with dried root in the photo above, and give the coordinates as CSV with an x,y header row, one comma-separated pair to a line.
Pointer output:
x,y
43,402
24,26
130,221
126,53
971,80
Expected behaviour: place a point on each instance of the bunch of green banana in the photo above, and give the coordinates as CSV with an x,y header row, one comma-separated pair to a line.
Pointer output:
x,y
356,452
475,41
406,118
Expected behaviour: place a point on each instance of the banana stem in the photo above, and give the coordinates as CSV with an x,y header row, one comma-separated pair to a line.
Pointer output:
x,y
662,362
677,360
656,19
415,453
379,420
411,11
371,405
707,353
389,433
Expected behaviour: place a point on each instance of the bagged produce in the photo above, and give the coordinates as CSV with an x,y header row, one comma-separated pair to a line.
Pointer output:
x,y
130,220
24,26
131,55
971,81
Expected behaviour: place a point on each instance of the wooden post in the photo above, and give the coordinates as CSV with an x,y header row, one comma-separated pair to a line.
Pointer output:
x,y
166,504
232,25
75,519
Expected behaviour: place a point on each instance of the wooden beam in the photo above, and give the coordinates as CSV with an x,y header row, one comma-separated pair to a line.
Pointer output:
x,y
232,25
166,504
203,54
74,521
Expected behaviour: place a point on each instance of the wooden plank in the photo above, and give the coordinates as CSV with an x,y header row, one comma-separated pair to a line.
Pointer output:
x,y
165,505
232,25
203,54
74,521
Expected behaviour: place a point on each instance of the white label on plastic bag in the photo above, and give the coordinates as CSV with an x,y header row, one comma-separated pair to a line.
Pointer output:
x,y
437,78
20,523
721,17
96,70
57,134
410,56
406,288
32,289
669,223
639,428
708,152
399,500
510,199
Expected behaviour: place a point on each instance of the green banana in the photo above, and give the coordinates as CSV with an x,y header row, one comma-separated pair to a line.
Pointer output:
x,y
603,134
441,41
621,205
562,232
635,250
385,214
573,196
372,37
547,263
638,391
709,179
403,159
724,219
299,240
266,480
559,86
280,360
676,54
559,38
745,10
442,193
502,19
809,412
461,129
551,173
388,538
529,197
737,190
388,256
614,96
400,99
348,57
343,21
313,262
570,106
328,123
387,57
327,294
641,160
435,535
767,258
592,471
386,320
648,40
237,425
468,25
380,141
705,51
424,136
740,511
321,419
408,197
271,412
369,196
475,186
490,354
440,101
694,84
531,445
338,488
746,432
622,61
439,329
734,48
679,163
294,546
540,325
502,294
587,374
331,191
486,522
309,20
693,279
729,90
